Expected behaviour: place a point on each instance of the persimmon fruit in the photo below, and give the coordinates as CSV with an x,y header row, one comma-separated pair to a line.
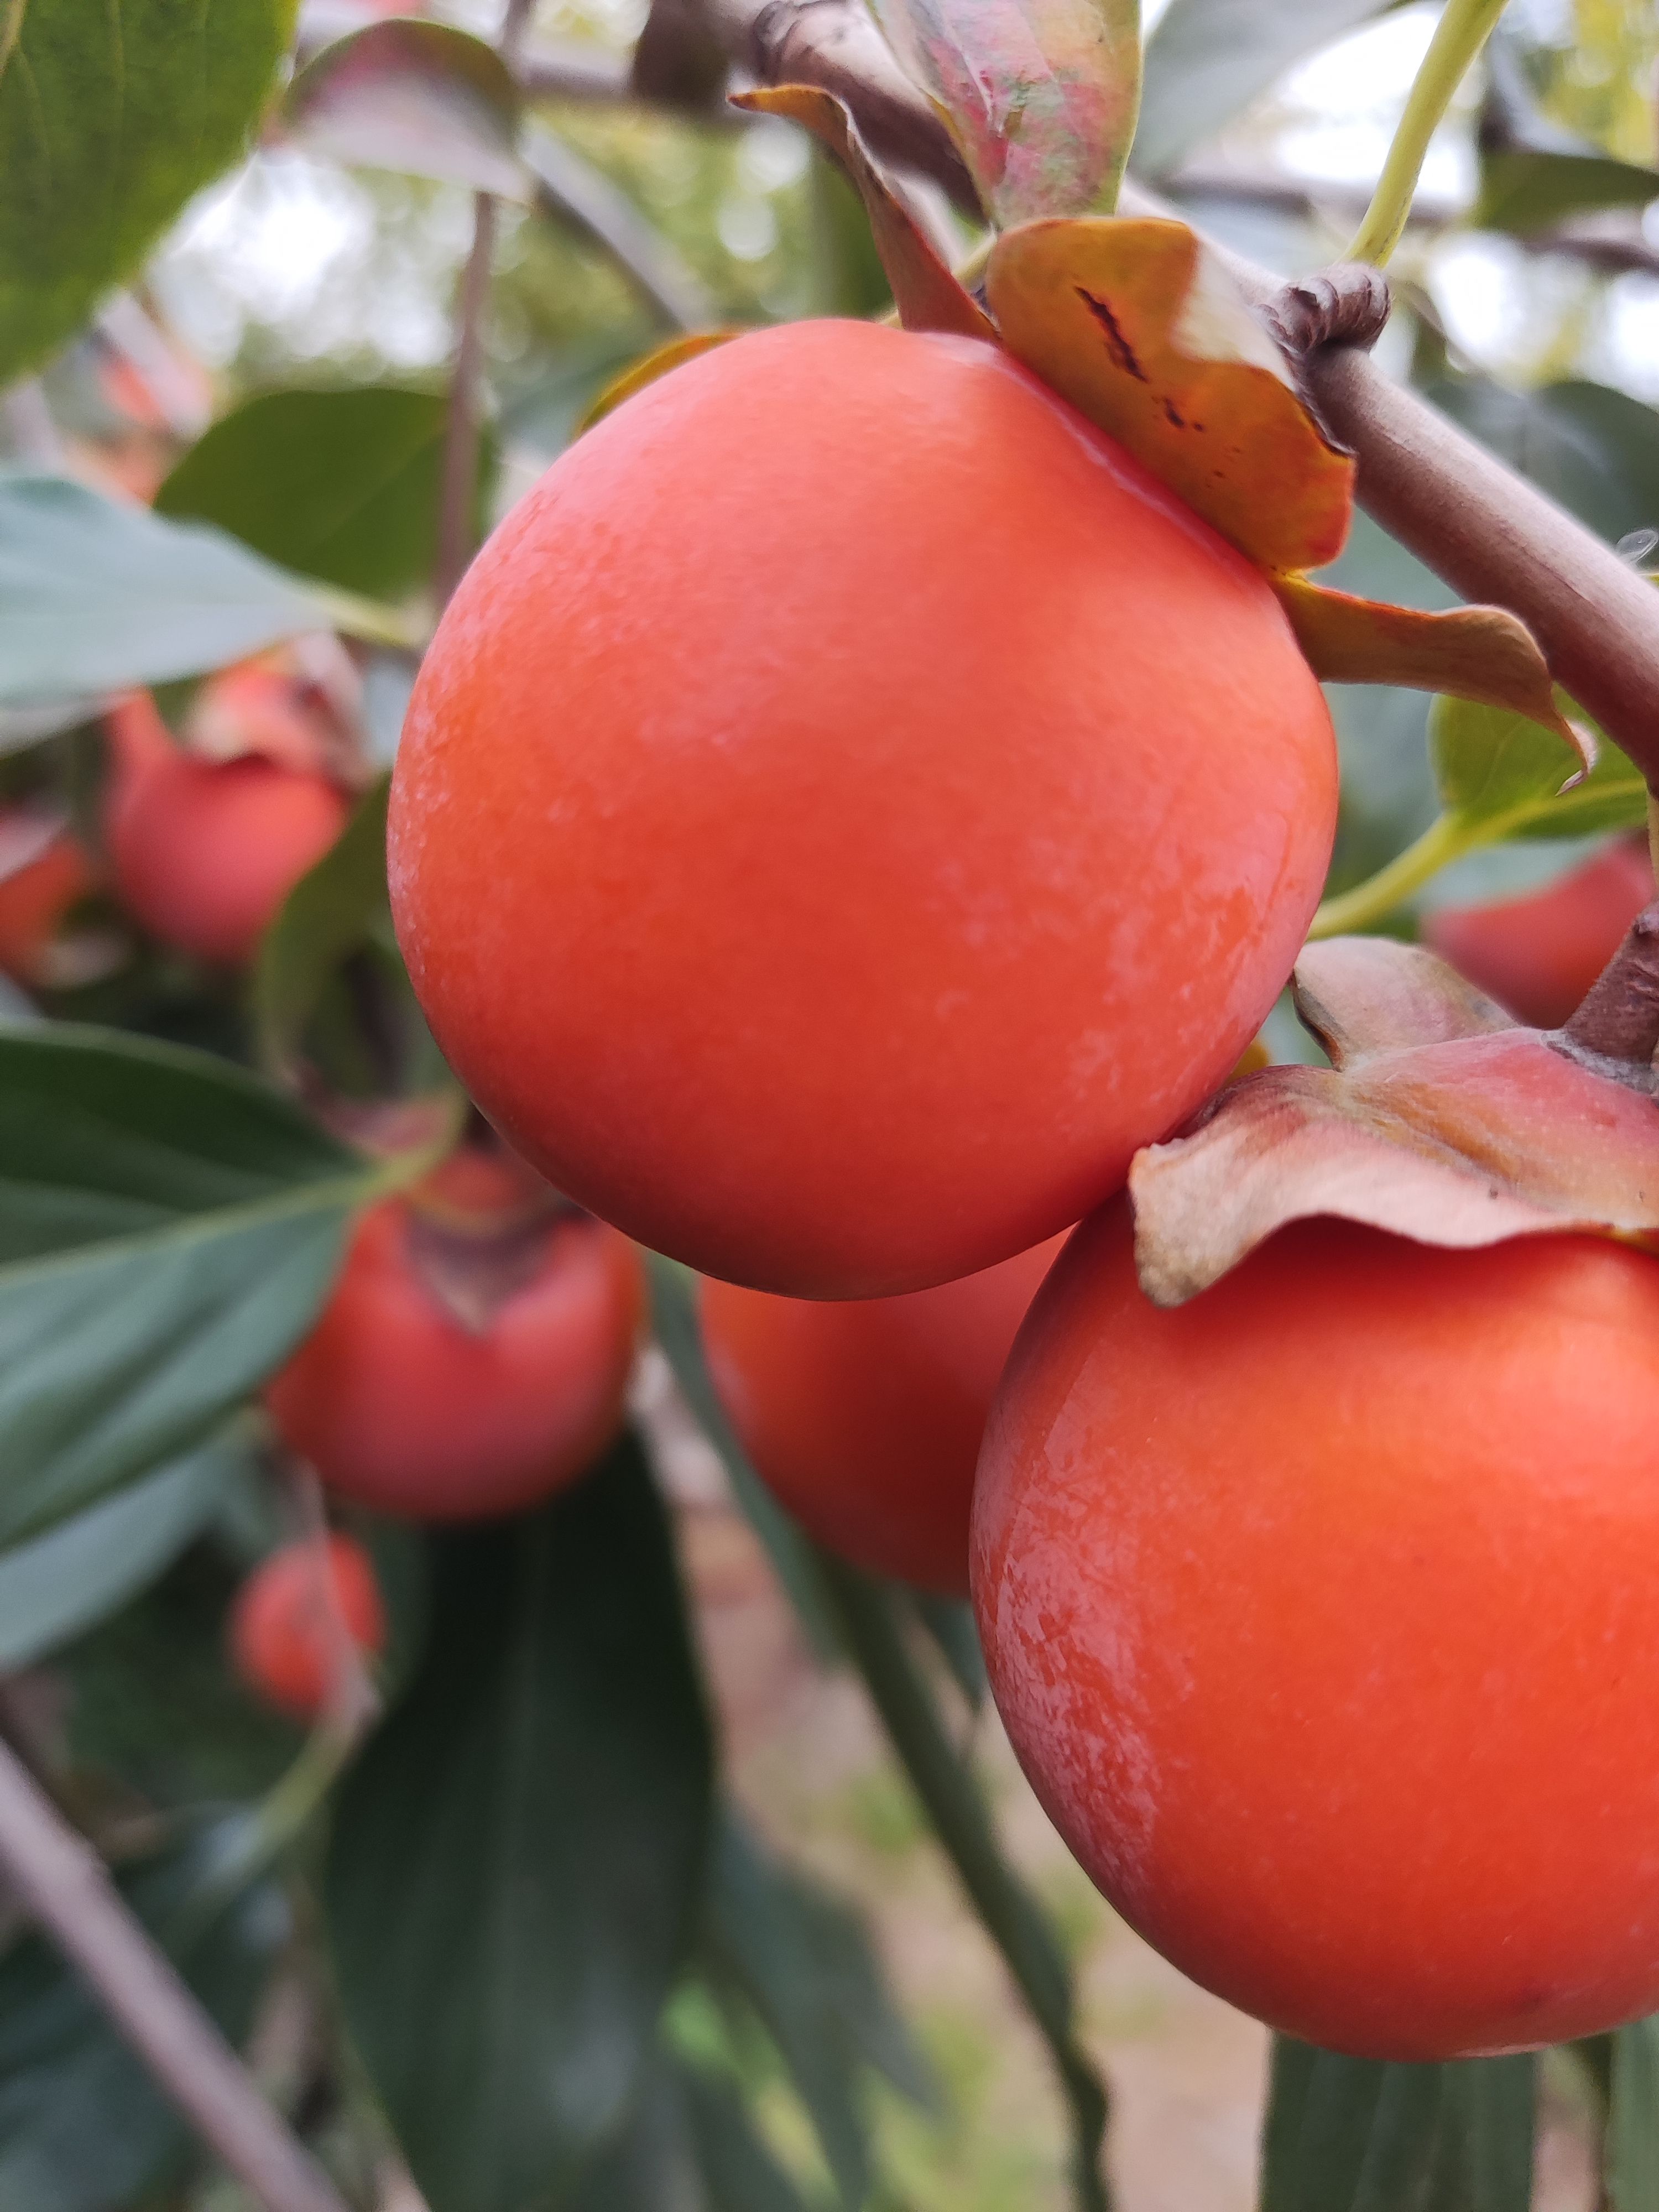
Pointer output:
x,y
864,1415
465,1365
203,853
282,1622
1323,1614
1538,956
848,807
37,894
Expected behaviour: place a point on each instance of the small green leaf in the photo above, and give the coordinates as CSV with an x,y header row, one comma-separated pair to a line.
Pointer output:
x,y
420,98
516,1859
342,484
1206,59
98,596
1632,2145
1041,94
167,1228
82,2126
1362,2134
55,1586
1501,775
110,119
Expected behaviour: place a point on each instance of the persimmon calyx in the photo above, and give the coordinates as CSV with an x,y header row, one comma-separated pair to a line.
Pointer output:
x,y
1441,1119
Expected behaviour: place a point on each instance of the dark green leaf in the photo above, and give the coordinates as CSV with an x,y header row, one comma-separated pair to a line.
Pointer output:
x,y
109,120
802,1960
330,911
516,1859
341,485
1632,2142
168,1227
1594,450
1361,2134
83,2128
653,2165
420,98
950,1622
1206,59
53,1587
740,2173
1501,775
97,595
674,1313
1523,191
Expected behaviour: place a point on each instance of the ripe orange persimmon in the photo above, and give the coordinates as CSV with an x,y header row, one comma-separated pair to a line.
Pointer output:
x,y
203,853
464,1366
281,1636
1323,1614
848,807
1538,956
48,870
864,1415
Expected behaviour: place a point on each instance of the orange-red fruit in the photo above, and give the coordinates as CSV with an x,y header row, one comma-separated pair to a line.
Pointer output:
x,y
403,1402
283,1624
848,807
35,897
1538,956
1323,1614
203,853
864,1415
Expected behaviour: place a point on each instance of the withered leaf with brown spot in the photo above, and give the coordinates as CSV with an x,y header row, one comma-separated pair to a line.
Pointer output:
x,y
1442,1120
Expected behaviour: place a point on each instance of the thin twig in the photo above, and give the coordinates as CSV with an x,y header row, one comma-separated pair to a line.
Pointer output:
x,y
68,1889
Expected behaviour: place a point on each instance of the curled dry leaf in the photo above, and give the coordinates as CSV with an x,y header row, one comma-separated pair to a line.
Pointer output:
x,y
1140,326
924,287
1041,95
1442,1120
1483,653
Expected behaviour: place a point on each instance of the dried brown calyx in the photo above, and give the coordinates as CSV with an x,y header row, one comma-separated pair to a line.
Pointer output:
x,y
1441,1119
480,1228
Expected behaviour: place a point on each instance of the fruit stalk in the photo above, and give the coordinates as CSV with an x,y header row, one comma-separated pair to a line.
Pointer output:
x,y
1616,1030
67,1887
1462,30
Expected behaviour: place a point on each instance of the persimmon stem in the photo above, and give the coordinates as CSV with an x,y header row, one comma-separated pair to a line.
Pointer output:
x,y
1464,28
1617,1027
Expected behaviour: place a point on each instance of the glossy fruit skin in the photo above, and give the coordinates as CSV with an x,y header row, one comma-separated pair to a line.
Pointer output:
x,y
399,1403
203,853
848,807
281,1638
1538,956
1323,1614
34,900
864,1415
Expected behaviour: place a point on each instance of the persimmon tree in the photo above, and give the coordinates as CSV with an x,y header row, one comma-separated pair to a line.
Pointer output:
x,y
313,1362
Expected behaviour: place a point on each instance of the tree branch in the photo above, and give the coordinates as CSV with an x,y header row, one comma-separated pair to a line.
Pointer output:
x,y
68,1889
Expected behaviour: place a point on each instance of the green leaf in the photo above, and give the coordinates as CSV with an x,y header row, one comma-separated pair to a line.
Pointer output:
x,y
419,98
802,1960
869,1621
1041,94
1206,59
674,1315
330,911
1632,2142
168,1226
57,1584
83,2127
110,119
516,1857
1501,775
1594,450
740,2173
1361,2134
343,485
1523,191
97,595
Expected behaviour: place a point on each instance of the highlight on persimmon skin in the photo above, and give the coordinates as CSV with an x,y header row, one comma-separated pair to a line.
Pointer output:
x,y
282,1626
1538,955
864,1416
37,895
1323,1614
444,1410
848,807
203,853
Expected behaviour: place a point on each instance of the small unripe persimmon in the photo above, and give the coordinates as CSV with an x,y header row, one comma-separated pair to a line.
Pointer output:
x,y
1323,1614
1539,955
203,853
848,807
864,1415
465,1365
37,894
287,1616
